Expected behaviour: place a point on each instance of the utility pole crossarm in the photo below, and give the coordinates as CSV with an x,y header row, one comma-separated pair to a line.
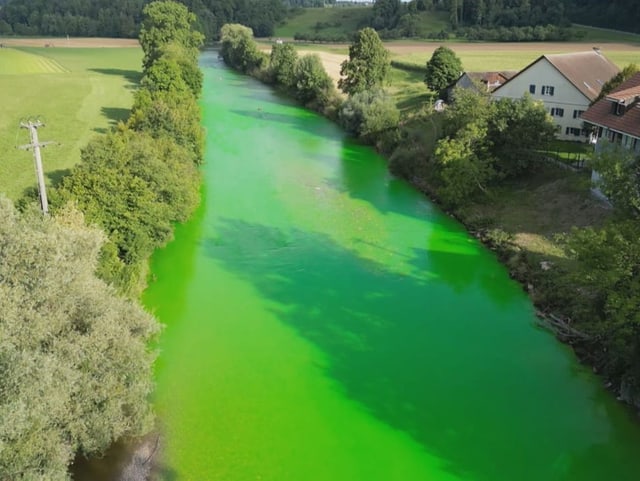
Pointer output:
x,y
41,144
32,126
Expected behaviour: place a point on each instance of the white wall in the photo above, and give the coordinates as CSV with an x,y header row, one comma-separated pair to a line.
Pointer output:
x,y
565,95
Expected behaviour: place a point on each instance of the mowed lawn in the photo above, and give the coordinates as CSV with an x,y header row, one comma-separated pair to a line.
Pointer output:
x,y
76,92
508,56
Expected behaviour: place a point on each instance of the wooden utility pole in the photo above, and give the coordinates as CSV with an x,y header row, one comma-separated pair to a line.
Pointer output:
x,y
32,126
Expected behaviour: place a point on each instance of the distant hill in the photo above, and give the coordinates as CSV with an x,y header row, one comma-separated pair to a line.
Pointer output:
x,y
515,20
339,23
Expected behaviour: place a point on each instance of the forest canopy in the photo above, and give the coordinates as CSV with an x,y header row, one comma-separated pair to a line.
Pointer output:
x,y
122,18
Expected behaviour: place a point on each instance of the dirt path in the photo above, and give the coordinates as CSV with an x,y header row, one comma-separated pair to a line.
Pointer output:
x,y
540,47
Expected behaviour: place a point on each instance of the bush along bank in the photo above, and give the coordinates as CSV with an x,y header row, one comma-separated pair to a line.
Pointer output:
x,y
76,361
139,179
462,158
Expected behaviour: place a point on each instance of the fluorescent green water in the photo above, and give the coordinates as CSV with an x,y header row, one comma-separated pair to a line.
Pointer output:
x,y
325,322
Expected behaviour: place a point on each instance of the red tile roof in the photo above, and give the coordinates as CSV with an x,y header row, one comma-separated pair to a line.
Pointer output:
x,y
602,112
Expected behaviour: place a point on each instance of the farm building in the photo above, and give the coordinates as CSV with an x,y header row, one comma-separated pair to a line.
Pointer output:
x,y
480,81
566,84
616,118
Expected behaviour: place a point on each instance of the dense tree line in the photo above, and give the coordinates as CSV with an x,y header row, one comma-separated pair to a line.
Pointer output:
x,y
122,18
303,77
615,14
505,13
75,361
85,18
137,181
366,113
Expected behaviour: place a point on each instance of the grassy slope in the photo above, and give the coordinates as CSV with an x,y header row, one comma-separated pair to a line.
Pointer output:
x,y
93,92
347,20
342,19
595,34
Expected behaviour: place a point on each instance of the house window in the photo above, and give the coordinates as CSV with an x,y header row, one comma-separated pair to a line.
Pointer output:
x,y
532,89
577,113
573,131
547,90
557,112
620,108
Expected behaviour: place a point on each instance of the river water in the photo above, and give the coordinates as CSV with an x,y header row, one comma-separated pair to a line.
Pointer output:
x,y
326,322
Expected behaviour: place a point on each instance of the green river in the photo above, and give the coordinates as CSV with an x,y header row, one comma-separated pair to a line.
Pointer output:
x,y
326,322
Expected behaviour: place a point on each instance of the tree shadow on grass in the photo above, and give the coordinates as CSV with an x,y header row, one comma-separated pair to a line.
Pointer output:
x,y
55,177
115,115
435,355
131,76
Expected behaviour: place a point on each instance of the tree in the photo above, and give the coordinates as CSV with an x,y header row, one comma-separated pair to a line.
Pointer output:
x,y
133,186
76,369
606,296
239,50
167,22
619,171
613,83
518,129
442,69
385,14
282,63
368,63
464,165
366,114
313,84
169,114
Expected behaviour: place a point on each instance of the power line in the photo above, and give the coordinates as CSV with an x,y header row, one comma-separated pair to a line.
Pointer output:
x,y
32,126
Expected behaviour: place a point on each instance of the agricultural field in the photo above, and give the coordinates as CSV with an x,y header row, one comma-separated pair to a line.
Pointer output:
x,y
77,92
508,56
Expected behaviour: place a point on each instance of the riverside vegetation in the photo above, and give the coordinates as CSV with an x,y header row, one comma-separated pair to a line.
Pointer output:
x,y
463,158
75,353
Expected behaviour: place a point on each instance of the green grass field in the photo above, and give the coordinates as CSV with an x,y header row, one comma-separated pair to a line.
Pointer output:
x,y
341,20
333,21
595,34
408,90
495,60
76,92
16,62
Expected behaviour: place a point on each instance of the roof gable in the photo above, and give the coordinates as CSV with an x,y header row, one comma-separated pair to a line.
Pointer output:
x,y
491,80
603,114
586,71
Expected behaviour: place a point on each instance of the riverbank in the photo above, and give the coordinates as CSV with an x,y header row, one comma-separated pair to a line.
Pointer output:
x,y
525,222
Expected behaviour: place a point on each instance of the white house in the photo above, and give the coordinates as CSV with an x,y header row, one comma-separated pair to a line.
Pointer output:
x,y
566,84
615,119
